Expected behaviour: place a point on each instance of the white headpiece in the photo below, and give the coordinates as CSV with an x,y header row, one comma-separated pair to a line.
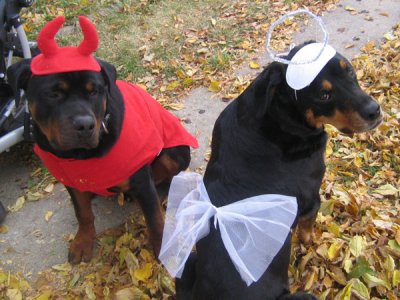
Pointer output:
x,y
308,61
253,230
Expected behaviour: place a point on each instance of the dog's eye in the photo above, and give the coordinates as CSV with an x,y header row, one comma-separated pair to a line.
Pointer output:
x,y
93,93
326,95
56,95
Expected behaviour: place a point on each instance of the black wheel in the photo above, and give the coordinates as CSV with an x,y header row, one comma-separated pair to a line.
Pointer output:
x,y
3,213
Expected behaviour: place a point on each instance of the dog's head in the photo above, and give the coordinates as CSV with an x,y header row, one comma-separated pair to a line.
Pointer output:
x,y
333,97
68,108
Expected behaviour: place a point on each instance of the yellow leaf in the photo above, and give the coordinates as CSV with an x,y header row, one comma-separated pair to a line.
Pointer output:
x,y
246,45
215,86
176,106
146,255
18,204
349,8
357,245
66,267
254,65
345,294
144,273
357,161
397,237
360,289
386,190
3,229
328,150
45,296
49,188
311,278
48,216
396,278
180,73
89,292
130,293
14,294
334,228
334,250
389,36
172,85
373,281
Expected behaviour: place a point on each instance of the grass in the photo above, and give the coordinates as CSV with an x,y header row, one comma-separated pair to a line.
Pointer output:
x,y
129,30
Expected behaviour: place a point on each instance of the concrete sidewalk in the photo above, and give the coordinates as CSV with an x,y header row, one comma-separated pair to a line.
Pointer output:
x,y
33,244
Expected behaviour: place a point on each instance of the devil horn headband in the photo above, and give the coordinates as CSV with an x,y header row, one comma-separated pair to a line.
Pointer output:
x,y
55,59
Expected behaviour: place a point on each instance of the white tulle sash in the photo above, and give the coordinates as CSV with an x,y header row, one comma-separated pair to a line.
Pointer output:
x,y
253,230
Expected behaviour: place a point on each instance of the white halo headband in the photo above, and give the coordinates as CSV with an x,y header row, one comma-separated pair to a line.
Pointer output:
x,y
276,57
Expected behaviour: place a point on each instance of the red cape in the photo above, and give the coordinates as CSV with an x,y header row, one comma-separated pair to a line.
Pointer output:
x,y
147,129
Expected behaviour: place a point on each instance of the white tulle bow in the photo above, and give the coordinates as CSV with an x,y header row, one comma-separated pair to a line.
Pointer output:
x,y
253,230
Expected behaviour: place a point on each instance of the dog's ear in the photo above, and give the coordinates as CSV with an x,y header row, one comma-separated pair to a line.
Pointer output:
x,y
108,71
18,76
273,75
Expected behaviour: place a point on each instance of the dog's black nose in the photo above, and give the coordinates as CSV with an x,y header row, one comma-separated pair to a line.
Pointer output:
x,y
84,125
371,111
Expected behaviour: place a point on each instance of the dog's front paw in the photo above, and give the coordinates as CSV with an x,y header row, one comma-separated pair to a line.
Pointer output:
x,y
81,248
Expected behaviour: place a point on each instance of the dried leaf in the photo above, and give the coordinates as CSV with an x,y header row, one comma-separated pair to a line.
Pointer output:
x,y
386,190
254,65
48,215
3,229
18,204
215,86
14,294
49,188
360,290
373,281
357,245
144,273
349,8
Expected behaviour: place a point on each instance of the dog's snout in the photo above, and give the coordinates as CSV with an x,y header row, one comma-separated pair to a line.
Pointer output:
x,y
84,125
371,111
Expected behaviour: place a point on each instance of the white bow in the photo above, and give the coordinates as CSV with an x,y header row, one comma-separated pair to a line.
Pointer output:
x,y
253,230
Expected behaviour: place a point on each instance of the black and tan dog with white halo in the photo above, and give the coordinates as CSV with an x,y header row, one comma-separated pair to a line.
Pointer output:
x,y
271,140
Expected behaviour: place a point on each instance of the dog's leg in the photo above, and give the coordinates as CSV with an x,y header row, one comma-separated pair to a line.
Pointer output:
x,y
81,248
142,187
184,285
305,228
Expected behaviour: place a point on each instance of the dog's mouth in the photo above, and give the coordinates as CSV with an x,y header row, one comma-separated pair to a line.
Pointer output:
x,y
361,127
68,142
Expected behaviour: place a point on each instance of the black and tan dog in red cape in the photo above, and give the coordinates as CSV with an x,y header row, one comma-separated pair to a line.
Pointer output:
x,y
271,140
98,135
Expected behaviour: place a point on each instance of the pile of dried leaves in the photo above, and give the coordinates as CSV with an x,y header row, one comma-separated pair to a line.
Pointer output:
x,y
356,249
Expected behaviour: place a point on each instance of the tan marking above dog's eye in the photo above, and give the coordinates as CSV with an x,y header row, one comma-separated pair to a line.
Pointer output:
x,y
343,64
63,85
89,87
326,85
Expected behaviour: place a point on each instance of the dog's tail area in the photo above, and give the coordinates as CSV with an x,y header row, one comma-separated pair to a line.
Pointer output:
x,y
184,285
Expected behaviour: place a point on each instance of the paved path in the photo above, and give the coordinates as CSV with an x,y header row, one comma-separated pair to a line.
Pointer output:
x,y
33,244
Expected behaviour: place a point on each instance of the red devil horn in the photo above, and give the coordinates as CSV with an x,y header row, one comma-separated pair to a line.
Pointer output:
x,y
90,38
46,42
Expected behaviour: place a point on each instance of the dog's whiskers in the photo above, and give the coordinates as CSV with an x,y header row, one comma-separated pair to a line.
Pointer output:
x,y
105,123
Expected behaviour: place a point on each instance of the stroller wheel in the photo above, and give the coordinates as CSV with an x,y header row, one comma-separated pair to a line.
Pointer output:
x,y
3,213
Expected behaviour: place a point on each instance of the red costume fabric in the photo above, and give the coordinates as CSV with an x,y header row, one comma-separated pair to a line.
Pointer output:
x,y
147,129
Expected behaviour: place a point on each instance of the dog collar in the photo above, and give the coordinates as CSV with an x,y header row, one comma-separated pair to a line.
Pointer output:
x,y
54,59
253,230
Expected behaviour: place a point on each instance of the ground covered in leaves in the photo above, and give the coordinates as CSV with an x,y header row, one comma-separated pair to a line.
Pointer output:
x,y
356,249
